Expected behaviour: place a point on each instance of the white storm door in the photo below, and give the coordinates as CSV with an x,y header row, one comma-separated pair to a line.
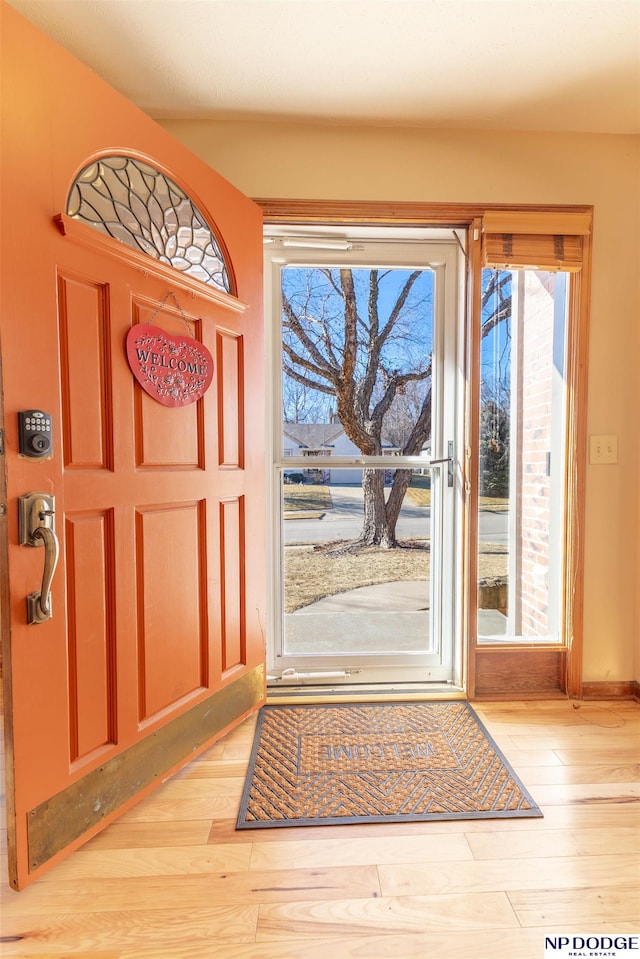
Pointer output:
x,y
365,481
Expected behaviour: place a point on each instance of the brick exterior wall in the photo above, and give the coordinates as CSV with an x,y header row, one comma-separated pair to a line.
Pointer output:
x,y
534,440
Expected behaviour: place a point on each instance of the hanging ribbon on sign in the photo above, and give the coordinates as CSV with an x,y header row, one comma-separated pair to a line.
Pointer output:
x,y
173,370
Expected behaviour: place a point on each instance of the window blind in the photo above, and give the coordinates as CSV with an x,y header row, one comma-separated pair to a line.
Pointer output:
x,y
547,241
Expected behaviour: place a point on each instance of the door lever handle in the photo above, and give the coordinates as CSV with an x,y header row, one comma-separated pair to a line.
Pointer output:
x,y
39,604
37,528
446,459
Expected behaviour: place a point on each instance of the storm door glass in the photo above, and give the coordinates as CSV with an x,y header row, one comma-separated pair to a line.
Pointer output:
x,y
364,367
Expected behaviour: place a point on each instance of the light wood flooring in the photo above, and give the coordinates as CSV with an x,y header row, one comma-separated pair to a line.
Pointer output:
x,y
172,879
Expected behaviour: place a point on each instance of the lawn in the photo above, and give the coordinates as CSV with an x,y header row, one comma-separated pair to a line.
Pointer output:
x,y
304,499
311,573
313,498
421,496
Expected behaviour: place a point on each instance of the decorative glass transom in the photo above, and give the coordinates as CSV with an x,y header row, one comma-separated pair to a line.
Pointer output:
x,y
135,203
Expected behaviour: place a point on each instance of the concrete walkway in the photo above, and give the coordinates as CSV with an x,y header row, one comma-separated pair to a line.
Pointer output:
x,y
405,596
390,617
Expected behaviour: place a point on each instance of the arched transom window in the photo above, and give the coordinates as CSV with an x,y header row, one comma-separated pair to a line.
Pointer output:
x,y
140,206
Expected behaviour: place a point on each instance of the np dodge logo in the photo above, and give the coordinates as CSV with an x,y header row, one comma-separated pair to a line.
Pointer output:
x,y
174,370
595,946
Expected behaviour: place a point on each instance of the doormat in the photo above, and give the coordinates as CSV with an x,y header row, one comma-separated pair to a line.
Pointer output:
x,y
317,765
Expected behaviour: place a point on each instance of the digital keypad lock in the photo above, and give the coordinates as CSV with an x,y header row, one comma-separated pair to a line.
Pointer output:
x,y
34,431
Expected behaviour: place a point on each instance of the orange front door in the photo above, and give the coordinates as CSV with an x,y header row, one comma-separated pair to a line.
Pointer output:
x,y
154,645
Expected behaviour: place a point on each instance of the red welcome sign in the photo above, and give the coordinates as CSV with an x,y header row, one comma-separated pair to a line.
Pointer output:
x,y
174,370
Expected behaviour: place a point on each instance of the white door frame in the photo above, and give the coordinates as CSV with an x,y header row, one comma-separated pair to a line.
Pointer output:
x,y
439,250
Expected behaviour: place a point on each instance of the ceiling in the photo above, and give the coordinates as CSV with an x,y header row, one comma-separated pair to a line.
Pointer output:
x,y
557,65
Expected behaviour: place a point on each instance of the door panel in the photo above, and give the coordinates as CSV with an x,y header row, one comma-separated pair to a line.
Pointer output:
x,y
232,585
86,388
172,645
90,561
155,644
151,418
230,388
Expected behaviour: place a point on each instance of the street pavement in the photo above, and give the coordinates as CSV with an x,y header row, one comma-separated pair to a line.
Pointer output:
x,y
344,521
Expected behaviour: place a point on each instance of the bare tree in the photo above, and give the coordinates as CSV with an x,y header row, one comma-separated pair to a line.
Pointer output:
x,y
402,414
366,342
301,404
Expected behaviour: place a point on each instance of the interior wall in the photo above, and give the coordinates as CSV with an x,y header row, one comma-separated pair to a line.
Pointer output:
x,y
341,162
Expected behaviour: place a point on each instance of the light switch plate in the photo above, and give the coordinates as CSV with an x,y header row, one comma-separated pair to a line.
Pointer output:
x,y
603,449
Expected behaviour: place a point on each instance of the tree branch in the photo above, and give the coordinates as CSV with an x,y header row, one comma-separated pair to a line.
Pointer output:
x,y
296,327
399,304
305,381
307,364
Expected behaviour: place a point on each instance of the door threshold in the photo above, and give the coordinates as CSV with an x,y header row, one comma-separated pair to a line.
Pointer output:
x,y
364,693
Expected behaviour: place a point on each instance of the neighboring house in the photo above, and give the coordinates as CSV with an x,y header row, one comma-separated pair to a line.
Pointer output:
x,y
324,439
